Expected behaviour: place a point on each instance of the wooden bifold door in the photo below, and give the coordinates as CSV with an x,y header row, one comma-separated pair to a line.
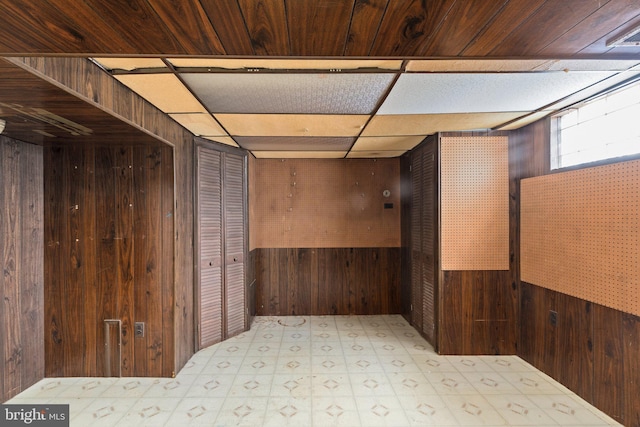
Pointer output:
x,y
221,223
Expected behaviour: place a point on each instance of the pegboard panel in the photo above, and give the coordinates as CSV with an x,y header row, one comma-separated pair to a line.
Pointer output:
x,y
475,203
580,234
326,203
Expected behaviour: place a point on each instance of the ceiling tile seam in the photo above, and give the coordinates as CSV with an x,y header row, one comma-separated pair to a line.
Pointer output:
x,y
173,70
375,111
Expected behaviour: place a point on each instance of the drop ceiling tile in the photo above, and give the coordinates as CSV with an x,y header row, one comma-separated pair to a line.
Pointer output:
x,y
474,65
290,143
299,154
376,143
523,121
130,64
374,154
286,64
200,124
337,93
227,140
427,124
587,65
292,124
437,93
164,91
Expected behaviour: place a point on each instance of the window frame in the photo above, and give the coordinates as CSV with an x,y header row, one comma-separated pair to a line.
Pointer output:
x,y
555,132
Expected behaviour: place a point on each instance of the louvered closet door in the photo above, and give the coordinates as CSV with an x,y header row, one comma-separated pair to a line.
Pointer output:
x,y
234,239
416,238
209,222
428,241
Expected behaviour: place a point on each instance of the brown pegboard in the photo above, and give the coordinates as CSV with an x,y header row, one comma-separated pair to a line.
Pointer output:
x,y
325,203
580,234
475,203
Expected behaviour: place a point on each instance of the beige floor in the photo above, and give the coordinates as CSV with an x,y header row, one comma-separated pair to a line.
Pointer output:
x,y
325,371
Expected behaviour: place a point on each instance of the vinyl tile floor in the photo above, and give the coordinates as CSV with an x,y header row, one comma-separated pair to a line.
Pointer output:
x,y
325,371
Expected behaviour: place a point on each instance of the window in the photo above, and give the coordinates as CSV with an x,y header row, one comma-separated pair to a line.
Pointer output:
x,y
602,128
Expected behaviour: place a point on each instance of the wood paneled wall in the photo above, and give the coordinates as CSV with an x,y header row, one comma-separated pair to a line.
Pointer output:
x,y
322,281
478,313
109,247
591,349
21,256
326,243
87,81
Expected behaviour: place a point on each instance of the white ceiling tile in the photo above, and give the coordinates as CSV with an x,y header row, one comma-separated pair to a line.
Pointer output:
x,y
164,91
200,124
292,124
299,154
289,93
475,93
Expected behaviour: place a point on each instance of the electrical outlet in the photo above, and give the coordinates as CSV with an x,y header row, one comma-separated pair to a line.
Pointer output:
x,y
139,329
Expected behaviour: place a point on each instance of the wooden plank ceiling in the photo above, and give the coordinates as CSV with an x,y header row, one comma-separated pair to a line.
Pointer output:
x,y
399,37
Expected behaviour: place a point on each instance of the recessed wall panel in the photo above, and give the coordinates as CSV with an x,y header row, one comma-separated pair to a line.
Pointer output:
x,y
326,203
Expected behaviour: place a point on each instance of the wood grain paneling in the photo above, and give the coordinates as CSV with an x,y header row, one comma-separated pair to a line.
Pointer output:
x,y
326,203
93,86
324,281
231,29
608,363
266,23
365,21
545,25
464,21
104,260
631,370
21,256
321,28
407,26
477,314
